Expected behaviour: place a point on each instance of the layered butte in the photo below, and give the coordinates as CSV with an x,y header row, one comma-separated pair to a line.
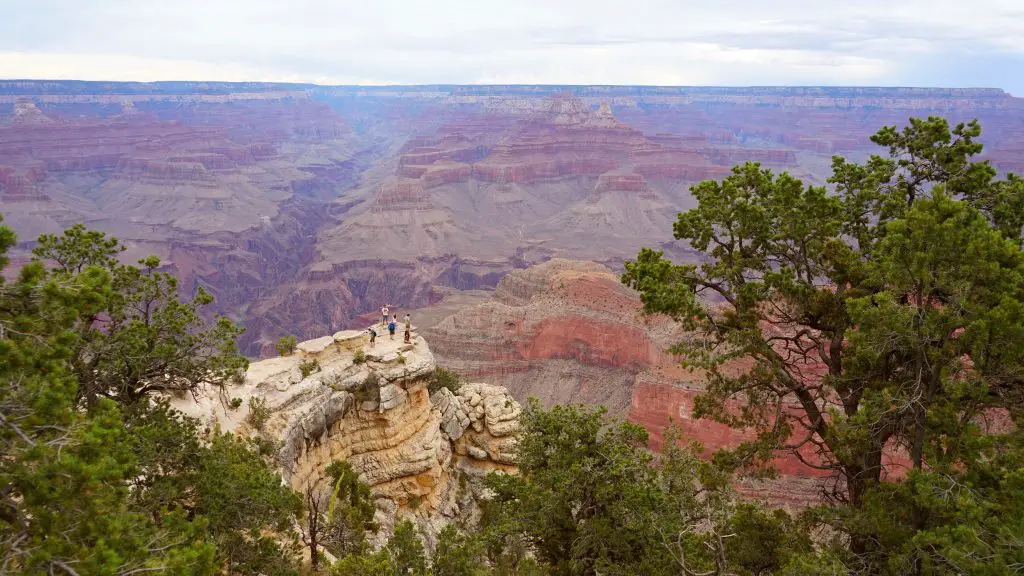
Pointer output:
x,y
304,208
569,332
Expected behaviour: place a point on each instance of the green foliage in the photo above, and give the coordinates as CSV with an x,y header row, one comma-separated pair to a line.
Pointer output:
x,y
350,513
401,359
64,471
444,378
591,499
405,551
236,403
96,476
141,339
890,311
375,564
221,479
308,367
403,555
286,345
259,412
457,554
359,357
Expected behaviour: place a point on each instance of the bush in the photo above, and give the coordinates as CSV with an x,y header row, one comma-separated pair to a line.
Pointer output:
x,y
259,412
401,359
286,345
264,446
359,357
458,554
235,403
443,378
369,390
308,367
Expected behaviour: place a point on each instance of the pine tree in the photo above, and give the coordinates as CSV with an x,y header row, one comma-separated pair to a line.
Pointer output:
x,y
64,473
887,314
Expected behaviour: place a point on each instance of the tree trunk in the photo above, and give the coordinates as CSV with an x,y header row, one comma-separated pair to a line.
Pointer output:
x,y
859,480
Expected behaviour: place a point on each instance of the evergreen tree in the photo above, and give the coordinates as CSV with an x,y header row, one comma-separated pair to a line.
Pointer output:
x,y
890,314
113,485
64,506
457,554
405,551
143,339
591,499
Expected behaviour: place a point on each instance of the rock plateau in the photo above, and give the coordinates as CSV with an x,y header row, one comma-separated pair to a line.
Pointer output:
x,y
423,455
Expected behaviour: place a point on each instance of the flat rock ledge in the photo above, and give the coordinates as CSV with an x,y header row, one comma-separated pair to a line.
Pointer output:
x,y
423,455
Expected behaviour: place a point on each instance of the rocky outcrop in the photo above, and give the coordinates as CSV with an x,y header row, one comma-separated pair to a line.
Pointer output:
x,y
569,332
563,331
26,112
424,457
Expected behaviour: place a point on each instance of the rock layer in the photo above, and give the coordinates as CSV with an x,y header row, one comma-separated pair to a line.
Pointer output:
x,y
422,456
303,208
569,332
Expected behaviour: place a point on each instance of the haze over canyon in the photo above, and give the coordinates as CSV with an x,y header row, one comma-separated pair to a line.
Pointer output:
x,y
304,208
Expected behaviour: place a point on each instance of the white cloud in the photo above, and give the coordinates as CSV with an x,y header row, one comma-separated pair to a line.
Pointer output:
x,y
526,41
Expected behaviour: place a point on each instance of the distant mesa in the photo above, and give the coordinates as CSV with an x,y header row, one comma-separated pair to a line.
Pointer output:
x,y
26,112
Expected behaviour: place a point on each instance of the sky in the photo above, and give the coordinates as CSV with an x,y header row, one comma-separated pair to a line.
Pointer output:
x,y
976,43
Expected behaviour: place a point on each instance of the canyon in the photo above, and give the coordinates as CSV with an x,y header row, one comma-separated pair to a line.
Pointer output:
x,y
304,208
568,331
498,216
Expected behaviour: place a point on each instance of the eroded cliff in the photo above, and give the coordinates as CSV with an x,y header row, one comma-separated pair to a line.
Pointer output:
x,y
568,331
424,455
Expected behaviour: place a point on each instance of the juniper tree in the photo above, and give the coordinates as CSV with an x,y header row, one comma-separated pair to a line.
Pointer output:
x,y
145,338
884,316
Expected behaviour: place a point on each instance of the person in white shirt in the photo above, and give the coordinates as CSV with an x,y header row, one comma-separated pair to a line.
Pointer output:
x,y
384,313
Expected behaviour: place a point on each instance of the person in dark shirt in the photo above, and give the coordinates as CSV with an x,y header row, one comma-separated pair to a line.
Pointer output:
x,y
373,337
391,329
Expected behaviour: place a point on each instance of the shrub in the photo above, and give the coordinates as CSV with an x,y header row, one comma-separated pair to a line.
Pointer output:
x,y
401,359
286,345
359,357
235,403
443,378
259,412
369,390
264,446
308,367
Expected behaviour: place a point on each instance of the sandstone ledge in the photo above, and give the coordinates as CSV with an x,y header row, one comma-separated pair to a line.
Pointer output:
x,y
416,452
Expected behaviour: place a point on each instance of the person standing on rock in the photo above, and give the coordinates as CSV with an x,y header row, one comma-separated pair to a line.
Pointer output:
x,y
373,336
391,328
384,312
408,328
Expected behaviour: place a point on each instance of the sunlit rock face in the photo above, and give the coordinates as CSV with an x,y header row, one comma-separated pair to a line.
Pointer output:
x,y
424,457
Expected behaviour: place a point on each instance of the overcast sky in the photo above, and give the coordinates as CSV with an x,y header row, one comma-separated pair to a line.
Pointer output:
x,y
708,42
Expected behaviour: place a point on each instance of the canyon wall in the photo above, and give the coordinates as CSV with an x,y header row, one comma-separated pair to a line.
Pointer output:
x,y
305,208
569,332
